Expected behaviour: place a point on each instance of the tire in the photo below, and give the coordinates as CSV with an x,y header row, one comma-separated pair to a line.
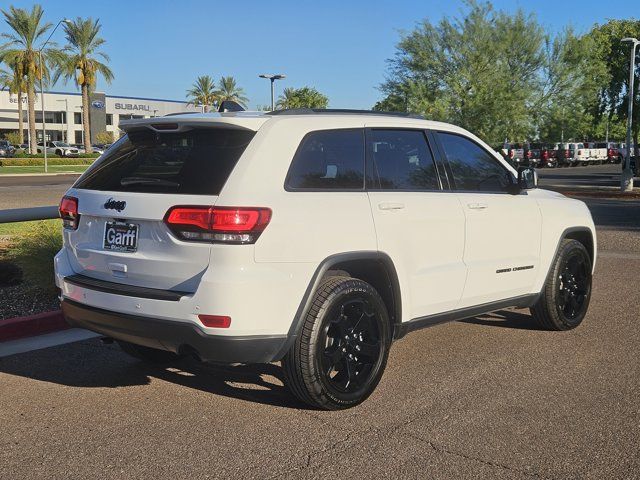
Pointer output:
x,y
60,153
148,354
321,367
565,296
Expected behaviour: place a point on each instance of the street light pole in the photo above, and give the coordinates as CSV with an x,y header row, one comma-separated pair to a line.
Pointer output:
x,y
273,78
44,122
626,179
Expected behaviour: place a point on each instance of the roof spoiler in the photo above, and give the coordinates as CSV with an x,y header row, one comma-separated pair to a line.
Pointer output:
x,y
230,106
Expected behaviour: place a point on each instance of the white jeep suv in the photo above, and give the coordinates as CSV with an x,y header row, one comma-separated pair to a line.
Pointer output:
x,y
314,238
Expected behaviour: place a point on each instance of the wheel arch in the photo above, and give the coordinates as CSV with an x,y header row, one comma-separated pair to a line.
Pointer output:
x,y
584,235
373,267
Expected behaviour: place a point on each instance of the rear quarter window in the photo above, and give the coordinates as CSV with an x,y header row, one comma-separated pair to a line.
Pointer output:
x,y
328,160
192,162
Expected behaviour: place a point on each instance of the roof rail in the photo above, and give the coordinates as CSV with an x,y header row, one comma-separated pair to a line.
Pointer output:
x,y
182,113
346,111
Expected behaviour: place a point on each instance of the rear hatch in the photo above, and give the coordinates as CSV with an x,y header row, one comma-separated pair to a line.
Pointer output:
x,y
124,197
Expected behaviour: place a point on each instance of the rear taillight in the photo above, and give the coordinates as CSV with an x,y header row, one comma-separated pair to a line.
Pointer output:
x,y
69,212
545,154
237,225
510,153
529,154
566,153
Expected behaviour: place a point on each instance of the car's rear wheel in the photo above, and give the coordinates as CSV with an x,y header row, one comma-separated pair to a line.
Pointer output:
x,y
341,352
566,294
148,354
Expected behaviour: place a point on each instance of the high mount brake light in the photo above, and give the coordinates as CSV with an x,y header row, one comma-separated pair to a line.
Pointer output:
x,y
235,225
69,212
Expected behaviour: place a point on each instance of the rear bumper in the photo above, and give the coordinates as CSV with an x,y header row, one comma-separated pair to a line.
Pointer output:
x,y
175,336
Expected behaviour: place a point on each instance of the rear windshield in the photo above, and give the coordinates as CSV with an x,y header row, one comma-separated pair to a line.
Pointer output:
x,y
193,162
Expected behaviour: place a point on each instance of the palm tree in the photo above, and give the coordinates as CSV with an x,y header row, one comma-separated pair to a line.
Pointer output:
x,y
20,49
81,60
13,81
229,90
203,92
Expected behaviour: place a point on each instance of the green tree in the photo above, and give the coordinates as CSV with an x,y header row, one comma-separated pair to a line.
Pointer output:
x,y
228,89
481,71
14,81
83,60
612,96
13,138
568,103
305,97
203,92
21,48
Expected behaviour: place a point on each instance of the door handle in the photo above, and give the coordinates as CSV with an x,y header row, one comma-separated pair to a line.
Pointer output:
x,y
477,206
390,206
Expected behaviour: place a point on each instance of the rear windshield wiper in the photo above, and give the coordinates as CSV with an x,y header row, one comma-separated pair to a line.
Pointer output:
x,y
125,182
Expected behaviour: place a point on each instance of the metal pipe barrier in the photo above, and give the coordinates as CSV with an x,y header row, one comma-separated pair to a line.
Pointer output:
x,y
28,214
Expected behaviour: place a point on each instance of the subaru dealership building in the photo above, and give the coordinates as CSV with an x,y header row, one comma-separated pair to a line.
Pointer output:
x,y
63,113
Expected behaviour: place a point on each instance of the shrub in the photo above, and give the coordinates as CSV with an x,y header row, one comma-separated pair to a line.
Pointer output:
x,y
103,138
52,155
34,249
39,161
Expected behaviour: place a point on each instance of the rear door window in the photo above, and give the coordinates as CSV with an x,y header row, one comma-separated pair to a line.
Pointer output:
x,y
192,162
329,160
402,160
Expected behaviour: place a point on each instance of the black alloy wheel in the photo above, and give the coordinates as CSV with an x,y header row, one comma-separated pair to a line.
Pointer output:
x,y
574,284
350,346
339,357
565,296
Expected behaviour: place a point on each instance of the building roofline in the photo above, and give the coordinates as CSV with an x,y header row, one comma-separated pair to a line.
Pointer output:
x,y
121,96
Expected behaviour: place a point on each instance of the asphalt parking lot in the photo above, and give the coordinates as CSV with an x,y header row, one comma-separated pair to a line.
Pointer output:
x,y
490,397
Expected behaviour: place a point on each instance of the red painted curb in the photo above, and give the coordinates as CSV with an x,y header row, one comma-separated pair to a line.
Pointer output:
x,y
20,327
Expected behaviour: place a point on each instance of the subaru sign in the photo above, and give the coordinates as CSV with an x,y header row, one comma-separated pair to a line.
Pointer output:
x,y
97,104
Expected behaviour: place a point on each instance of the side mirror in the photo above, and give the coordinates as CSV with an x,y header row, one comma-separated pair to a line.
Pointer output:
x,y
527,178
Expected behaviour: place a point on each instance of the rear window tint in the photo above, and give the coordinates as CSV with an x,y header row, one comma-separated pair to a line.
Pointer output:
x,y
328,160
193,162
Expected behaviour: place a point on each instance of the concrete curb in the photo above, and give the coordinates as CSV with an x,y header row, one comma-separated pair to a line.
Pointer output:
x,y
602,194
30,326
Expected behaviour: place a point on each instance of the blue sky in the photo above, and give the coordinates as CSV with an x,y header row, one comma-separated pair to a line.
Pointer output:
x,y
159,47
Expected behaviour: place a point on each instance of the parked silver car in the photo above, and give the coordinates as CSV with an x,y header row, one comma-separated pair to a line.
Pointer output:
x,y
61,149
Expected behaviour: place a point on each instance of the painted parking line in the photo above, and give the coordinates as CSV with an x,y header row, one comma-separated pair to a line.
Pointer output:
x,y
47,340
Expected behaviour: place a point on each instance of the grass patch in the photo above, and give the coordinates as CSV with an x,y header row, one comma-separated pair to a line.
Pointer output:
x,y
32,246
40,169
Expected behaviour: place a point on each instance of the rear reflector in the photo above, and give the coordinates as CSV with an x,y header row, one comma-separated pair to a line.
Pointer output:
x,y
237,225
69,212
215,321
